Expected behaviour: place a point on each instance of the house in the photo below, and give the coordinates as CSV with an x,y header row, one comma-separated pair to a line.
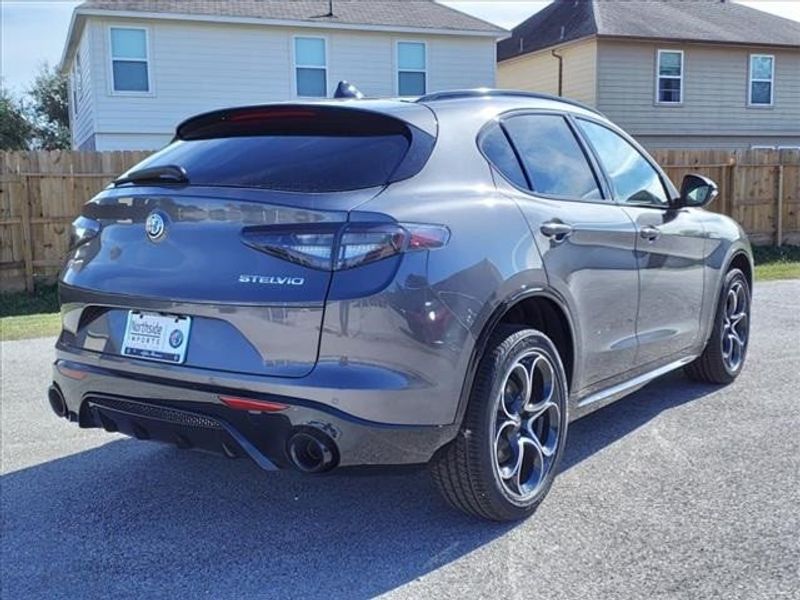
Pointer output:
x,y
138,67
673,73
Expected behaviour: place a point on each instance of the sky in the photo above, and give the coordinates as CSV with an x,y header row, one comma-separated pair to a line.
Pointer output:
x,y
33,31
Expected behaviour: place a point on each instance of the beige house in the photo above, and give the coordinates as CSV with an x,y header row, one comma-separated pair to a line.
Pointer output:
x,y
704,74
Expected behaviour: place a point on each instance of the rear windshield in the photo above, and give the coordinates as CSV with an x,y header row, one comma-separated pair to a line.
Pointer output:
x,y
300,151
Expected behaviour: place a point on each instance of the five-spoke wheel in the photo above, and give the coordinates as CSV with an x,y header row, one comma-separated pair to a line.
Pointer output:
x,y
723,357
502,463
735,325
527,424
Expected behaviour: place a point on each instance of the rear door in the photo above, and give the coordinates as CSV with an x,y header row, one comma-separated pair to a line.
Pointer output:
x,y
669,247
586,241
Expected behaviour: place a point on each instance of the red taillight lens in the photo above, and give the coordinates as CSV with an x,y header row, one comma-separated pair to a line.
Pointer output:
x,y
351,245
361,244
252,405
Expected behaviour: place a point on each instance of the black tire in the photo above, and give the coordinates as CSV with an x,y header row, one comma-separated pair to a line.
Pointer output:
x,y
714,365
467,471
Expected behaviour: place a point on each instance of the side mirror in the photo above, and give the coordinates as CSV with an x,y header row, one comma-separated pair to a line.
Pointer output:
x,y
697,191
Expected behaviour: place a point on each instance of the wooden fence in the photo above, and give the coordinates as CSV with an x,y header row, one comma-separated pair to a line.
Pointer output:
x,y
42,192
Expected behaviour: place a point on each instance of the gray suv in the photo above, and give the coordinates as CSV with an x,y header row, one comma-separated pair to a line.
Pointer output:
x,y
450,281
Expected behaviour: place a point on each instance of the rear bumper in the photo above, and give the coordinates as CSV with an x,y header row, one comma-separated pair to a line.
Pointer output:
x,y
192,415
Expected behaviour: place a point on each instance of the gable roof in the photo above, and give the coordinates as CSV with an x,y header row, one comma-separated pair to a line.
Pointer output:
x,y
711,21
418,14
408,16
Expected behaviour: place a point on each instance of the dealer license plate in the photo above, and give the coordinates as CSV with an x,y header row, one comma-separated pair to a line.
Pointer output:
x,y
156,337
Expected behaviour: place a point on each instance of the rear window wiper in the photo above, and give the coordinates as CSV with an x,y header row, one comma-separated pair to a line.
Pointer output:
x,y
164,174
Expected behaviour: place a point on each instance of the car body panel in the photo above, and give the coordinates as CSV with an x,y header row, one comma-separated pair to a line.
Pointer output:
x,y
391,345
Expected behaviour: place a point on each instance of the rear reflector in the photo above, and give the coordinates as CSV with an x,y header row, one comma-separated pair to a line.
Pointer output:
x,y
71,373
252,405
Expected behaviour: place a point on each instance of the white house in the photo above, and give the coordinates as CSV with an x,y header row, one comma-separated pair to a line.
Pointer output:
x,y
138,68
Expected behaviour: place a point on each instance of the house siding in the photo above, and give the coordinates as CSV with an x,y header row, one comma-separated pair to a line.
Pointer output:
x,y
196,67
714,104
709,142
538,71
82,114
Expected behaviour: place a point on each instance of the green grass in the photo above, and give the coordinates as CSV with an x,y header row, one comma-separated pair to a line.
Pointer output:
x,y
25,316
777,263
29,326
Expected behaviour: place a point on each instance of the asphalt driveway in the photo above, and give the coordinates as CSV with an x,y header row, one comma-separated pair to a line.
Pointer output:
x,y
679,491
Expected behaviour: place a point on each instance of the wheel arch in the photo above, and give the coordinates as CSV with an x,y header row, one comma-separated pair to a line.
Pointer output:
x,y
540,308
741,260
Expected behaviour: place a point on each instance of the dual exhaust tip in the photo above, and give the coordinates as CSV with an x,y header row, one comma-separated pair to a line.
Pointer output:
x,y
311,450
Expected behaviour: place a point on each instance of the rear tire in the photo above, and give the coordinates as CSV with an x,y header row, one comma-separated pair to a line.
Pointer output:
x,y
502,463
723,357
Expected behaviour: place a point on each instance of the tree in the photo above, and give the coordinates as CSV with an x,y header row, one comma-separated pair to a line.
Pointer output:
x,y
49,109
15,130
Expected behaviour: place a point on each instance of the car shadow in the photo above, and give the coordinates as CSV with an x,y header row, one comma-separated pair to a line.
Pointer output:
x,y
129,519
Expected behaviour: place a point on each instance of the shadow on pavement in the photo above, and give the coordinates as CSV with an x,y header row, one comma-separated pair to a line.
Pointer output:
x,y
129,519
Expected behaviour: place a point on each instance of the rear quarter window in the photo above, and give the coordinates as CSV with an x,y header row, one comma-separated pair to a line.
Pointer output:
x,y
496,148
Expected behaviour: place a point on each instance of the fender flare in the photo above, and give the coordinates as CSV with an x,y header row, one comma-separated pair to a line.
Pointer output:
x,y
490,324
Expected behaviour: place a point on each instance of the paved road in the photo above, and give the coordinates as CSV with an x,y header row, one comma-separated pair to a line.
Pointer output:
x,y
680,491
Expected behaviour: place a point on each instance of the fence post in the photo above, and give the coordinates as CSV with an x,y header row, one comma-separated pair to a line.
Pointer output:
x,y
27,232
779,219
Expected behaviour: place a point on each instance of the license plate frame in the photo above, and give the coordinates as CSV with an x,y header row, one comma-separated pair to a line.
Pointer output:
x,y
156,337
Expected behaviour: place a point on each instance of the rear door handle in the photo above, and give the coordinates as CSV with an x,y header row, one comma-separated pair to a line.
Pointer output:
x,y
556,229
650,233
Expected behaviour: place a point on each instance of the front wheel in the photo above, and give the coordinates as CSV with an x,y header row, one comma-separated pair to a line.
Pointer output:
x,y
503,461
723,357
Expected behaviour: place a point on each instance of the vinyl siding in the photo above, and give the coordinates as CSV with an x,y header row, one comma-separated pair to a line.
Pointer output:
x,y
714,88
82,114
657,142
538,71
196,67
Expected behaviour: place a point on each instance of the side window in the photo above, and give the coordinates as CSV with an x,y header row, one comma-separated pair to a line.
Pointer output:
x,y
669,79
498,151
411,68
552,157
762,75
633,178
129,60
310,67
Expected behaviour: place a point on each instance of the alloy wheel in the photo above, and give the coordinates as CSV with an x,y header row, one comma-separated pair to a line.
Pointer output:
x,y
735,326
527,425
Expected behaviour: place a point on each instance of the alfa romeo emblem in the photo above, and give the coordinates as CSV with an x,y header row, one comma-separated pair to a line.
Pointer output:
x,y
154,226
175,338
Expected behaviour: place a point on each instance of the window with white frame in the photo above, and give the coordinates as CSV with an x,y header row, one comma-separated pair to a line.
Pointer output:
x,y
669,77
411,68
762,76
129,60
310,67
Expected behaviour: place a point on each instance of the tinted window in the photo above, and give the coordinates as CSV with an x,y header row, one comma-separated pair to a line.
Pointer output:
x,y
554,160
633,178
299,148
499,152
298,163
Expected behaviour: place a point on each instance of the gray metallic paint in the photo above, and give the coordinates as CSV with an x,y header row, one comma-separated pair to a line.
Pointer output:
x,y
403,354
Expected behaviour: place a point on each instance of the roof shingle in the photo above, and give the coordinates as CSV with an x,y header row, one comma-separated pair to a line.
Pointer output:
x,y
423,14
710,21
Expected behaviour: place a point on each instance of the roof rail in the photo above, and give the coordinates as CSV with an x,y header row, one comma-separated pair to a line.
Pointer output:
x,y
497,93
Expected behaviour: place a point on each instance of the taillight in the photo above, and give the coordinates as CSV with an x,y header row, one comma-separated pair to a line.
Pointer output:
x,y
82,230
328,247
